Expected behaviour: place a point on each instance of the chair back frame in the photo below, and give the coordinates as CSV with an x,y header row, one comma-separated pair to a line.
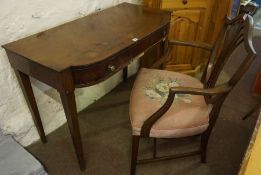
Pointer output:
x,y
234,32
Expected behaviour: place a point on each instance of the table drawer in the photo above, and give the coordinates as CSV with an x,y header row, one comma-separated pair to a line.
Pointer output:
x,y
94,73
181,4
100,71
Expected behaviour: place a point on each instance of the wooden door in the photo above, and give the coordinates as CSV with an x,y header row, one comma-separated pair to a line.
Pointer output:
x,y
221,9
186,25
192,20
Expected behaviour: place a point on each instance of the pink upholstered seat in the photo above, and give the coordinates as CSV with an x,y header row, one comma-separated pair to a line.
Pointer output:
x,y
188,115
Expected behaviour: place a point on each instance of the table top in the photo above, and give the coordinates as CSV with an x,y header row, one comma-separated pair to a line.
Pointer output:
x,y
90,39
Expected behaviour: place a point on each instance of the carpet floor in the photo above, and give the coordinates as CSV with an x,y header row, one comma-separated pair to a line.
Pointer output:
x,y
106,135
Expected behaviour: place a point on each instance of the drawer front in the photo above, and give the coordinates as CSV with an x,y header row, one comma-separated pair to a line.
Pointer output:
x,y
181,4
100,71
95,73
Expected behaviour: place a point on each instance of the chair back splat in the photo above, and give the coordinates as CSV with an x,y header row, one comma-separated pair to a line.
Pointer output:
x,y
235,32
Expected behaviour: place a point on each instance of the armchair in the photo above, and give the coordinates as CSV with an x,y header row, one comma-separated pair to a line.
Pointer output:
x,y
168,104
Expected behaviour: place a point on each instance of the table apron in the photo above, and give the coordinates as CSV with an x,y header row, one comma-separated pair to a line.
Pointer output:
x,y
95,73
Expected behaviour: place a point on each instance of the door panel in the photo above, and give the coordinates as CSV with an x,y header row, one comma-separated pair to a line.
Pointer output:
x,y
192,20
185,26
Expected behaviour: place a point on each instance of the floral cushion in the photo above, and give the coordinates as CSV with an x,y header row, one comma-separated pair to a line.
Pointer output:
x,y
188,115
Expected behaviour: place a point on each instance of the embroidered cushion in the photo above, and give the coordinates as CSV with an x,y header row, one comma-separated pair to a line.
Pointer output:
x,y
188,115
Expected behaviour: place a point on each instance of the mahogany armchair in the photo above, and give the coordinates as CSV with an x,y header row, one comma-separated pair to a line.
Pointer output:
x,y
166,104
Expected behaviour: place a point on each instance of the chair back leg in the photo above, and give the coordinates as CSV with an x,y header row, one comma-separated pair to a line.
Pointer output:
x,y
154,147
134,155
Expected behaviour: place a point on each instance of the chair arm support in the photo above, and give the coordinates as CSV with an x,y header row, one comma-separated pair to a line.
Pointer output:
x,y
147,125
201,45
161,60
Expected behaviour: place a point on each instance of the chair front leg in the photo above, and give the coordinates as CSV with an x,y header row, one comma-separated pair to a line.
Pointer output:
x,y
203,147
205,136
134,155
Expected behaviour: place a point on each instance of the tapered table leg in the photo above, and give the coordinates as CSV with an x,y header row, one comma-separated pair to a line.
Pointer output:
x,y
26,87
69,105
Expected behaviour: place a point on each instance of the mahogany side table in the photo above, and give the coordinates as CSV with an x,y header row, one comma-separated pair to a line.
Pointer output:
x,y
82,53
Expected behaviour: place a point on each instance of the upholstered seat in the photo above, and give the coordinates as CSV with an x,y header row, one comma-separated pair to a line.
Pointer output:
x,y
188,115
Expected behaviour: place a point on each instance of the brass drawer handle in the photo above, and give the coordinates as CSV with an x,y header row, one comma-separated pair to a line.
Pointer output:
x,y
184,1
112,67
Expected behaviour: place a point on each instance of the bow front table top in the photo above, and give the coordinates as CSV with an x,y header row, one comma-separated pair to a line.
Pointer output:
x,y
84,52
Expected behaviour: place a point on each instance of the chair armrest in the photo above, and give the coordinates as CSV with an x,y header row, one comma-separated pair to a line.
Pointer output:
x,y
197,91
201,45
161,60
147,125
